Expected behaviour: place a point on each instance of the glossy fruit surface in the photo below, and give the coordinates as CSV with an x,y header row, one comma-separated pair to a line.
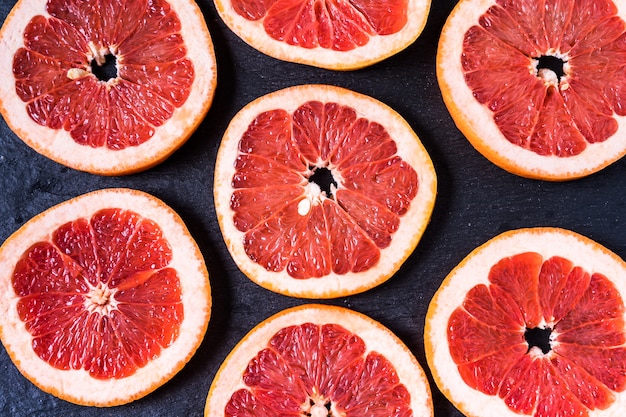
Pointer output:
x,y
532,323
319,360
321,192
104,297
332,34
537,87
102,86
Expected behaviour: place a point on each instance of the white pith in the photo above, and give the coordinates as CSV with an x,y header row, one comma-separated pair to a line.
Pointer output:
x,y
101,299
412,224
376,337
473,270
58,145
76,385
377,49
475,120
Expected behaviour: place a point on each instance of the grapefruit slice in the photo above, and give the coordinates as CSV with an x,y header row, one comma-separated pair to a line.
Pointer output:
x,y
331,34
321,192
103,298
104,86
538,88
532,323
319,360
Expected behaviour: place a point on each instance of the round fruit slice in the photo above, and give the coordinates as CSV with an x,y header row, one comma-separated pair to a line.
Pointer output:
x,y
321,192
103,297
316,360
106,86
538,87
332,34
532,323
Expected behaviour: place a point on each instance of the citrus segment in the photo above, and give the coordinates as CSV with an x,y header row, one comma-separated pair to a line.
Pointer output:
x,y
332,34
535,87
104,86
319,360
533,322
321,192
105,297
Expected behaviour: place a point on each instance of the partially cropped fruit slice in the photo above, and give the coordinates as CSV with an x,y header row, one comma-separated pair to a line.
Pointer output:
x,y
105,86
103,297
332,34
538,87
532,323
316,360
321,192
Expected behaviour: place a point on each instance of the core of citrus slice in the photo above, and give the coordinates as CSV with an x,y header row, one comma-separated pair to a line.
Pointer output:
x,y
532,323
105,86
321,192
103,298
332,34
538,87
319,360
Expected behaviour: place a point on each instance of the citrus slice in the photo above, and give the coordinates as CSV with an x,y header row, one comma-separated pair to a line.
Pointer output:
x,y
538,87
321,192
318,360
532,323
106,86
103,298
332,34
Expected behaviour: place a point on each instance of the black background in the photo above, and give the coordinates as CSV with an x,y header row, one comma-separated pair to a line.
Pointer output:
x,y
476,201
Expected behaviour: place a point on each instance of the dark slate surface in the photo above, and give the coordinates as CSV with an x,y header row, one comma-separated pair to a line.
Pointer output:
x,y
476,201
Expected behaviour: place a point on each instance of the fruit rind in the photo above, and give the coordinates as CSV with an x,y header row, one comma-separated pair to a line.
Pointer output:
x,y
377,49
58,145
76,385
405,239
374,334
474,270
475,120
